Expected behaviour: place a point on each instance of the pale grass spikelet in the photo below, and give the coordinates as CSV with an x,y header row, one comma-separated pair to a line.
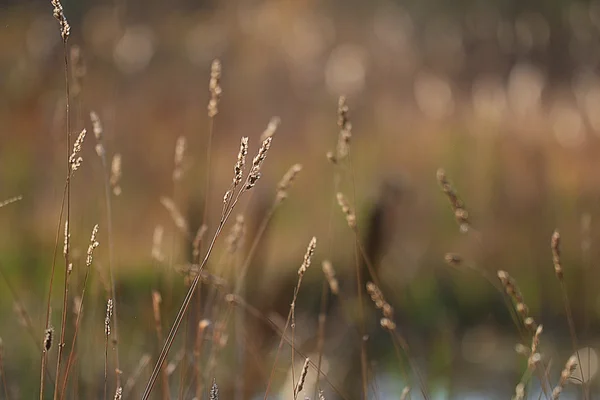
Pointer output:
x,y
74,159
453,259
512,290
59,14
22,316
214,87
119,393
555,246
348,212
330,276
387,324
157,239
77,305
214,391
198,240
176,215
115,174
180,147
405,393
254,174
78,69
98,131
519,391
107,318
566,373
93,244
286,182
321,395
238,169
300,384
6,202
227,196
343,146
458,207
67,238
156,300
271,128
379,301
48,338
236,236
310,250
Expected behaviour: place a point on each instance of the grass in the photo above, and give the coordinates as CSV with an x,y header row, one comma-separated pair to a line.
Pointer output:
x,y
213,346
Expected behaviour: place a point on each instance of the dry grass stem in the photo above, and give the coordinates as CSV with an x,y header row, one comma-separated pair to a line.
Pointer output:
x,y
238,168
405,393
214,391
75,159
566,373
286,182
48,338
555,246
176,215
115,174
10,201
347,210
330,276
271,128
458,207
157,240
214,87
180,147
254,174
300,384
59,14
512,290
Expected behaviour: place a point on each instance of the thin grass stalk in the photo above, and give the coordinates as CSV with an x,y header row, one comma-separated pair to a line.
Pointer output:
x,y
68,214
2,373
586,243
287,323
105,367
185,304
43,370
202,325
93,245
215,91
305,264
555,247
132,380
219,340
359,285
238,301
399,340
26,317
111,255
321,332
156,300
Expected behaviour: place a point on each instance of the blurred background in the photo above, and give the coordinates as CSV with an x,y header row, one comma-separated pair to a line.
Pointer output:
x,y
504,95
